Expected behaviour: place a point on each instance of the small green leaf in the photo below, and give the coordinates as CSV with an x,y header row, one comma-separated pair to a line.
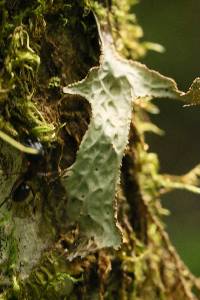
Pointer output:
x,y
8,139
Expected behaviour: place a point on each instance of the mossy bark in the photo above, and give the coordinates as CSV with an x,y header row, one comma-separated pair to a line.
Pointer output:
x,y
46,45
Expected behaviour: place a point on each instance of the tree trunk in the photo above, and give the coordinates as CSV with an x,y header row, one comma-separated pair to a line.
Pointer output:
x,y
50,248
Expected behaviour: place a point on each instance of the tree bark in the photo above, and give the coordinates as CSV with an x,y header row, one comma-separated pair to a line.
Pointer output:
x,y
46,45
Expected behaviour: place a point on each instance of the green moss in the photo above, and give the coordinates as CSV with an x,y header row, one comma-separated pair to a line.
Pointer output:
x,y
44,46
21,55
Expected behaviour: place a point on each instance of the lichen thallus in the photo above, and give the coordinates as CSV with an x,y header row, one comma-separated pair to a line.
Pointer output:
x,y
35,163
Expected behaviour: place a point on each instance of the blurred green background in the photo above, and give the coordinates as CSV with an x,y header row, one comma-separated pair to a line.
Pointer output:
x,y
176,25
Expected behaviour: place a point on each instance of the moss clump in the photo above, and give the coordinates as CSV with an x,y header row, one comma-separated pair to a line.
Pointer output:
x,y
30,58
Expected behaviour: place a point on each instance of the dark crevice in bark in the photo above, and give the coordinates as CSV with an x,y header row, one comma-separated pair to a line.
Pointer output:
x,y
131,188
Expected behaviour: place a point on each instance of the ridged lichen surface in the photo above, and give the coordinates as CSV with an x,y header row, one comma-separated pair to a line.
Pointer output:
x,y
91,183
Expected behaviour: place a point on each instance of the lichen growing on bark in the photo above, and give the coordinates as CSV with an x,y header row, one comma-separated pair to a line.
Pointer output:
x,y
46,45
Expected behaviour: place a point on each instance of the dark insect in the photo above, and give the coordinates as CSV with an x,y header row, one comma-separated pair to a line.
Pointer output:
x,y
21,192
21,188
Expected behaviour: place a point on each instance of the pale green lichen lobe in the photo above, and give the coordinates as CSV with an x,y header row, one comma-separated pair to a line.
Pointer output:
x,y
92,181
93,178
